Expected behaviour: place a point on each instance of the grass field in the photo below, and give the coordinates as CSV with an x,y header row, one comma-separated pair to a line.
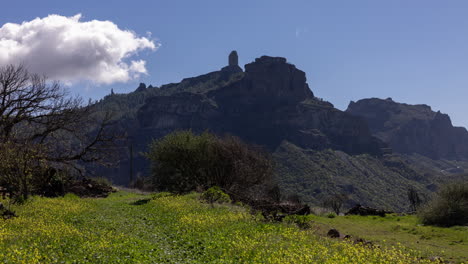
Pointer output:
x,y
449,243
132,228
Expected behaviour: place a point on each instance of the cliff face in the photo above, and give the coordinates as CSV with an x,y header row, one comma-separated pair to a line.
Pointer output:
x,y
313,143
268,103
413,128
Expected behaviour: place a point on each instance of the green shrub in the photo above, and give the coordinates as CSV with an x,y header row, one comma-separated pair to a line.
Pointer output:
x,y
448,208
183,162
331,215
179,161
302,221
215,194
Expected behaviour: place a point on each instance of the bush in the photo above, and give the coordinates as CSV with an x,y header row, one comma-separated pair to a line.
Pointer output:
x,y
51,182
183,162
21,173
302,221
180,160
331,215
215,194
448,208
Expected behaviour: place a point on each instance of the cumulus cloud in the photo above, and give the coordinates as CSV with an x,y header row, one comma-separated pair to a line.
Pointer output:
x,y
70,50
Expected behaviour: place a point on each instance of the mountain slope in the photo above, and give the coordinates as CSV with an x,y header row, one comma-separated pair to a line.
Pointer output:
x,y
268,103
378,182
381,182
319,149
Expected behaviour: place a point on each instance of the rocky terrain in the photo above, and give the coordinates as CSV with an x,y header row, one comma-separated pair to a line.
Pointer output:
x,y
268,103
319,149
412,129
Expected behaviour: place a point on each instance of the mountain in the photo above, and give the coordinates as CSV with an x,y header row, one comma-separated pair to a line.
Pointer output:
x,y
319,150
412,129
381,182
268,103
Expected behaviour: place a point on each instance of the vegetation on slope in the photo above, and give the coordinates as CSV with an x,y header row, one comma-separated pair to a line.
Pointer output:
x,y
393,230
449,207
174,229
377,182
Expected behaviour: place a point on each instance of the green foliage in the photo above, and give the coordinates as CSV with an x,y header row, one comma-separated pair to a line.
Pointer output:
x,y
331,215
394,230
215,194
161,195
376,182
201,84
183,162
180,161
302,221
176,229
449,207
21,171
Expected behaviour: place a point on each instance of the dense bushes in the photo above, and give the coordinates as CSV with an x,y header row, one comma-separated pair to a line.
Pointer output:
x,y
184,162
448,208
215,194
21,172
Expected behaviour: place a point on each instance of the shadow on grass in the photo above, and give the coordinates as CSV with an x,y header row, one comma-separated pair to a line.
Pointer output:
x,y
141,202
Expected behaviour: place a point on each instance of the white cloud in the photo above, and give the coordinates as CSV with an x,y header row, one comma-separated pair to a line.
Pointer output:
x,y
69,50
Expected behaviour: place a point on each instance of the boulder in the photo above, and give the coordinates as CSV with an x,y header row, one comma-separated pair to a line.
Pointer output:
x,y
363,211
333,233
90,188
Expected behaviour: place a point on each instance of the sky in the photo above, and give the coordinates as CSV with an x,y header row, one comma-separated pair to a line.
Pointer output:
x,y
413,51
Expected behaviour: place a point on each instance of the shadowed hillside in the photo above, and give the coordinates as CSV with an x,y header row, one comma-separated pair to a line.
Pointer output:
x,y
319,149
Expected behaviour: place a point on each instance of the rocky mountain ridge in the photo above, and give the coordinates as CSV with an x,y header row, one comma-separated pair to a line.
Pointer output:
x,y
268,103
412,129
319,149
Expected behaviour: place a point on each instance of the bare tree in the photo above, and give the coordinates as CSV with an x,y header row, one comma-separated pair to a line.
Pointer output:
x,y
335,202
414,199
41,125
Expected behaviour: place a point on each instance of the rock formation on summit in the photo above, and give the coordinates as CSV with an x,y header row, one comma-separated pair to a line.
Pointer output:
x,y
233,59
268,103
141,87
233,63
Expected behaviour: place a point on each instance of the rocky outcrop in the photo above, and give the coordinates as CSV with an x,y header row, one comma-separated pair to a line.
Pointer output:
x,y
141,88
313,143
233,63
413,128
268,103
364,211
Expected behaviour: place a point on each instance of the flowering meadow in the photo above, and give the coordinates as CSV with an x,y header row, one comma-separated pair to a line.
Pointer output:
x,y
132,228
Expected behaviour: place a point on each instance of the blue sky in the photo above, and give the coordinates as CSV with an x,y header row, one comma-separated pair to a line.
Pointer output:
x,y
413,51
